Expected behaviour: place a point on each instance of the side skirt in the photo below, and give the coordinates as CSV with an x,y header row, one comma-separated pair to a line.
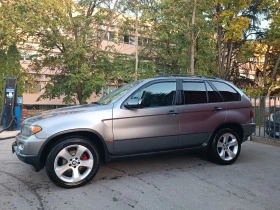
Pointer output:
x,y
110,158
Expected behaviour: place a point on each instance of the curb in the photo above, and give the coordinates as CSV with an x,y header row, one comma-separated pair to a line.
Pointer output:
x,y
8,137
265,141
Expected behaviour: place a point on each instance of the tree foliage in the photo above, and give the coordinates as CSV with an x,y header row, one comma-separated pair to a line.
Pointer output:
x,y
170,29
10,67
216,38
70,39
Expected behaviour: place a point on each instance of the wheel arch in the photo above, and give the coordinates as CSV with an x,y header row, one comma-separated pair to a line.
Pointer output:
x,y
88,134
234,126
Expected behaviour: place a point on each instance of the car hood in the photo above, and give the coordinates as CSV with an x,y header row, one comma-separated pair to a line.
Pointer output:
x,y
71,110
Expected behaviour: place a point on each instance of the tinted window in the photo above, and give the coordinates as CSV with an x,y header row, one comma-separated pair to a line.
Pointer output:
x,y
159,94
194,93
227,92
212,95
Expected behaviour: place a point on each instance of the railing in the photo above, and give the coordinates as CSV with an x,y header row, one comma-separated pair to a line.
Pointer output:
x,y
267,116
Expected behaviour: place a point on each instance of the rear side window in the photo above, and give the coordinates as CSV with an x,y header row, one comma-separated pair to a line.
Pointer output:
x,y
226,91
212,95
194,93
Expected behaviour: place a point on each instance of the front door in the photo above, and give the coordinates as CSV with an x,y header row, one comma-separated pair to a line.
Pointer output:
x,y
152,127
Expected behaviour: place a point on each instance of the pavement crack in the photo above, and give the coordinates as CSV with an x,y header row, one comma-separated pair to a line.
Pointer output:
x,y
18,193
29,187
219,187
148,183
116,169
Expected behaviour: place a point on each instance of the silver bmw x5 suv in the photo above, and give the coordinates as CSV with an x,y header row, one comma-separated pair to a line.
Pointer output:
x,y
165,113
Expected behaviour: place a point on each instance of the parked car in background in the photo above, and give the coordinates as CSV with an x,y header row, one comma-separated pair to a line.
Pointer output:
x,y
166,113
272,125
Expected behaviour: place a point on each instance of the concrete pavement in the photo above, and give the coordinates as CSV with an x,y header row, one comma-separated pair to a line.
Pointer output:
x,y
186,181
8,134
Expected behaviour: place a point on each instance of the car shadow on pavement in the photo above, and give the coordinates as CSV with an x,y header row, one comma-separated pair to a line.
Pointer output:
x,y
150,164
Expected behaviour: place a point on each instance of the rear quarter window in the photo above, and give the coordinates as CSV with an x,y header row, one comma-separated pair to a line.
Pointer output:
x,y
227,92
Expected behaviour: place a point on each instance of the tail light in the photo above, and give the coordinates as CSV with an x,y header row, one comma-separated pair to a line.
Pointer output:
x,y
251,113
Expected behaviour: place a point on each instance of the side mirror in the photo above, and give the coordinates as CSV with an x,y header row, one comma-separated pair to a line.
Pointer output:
x,y
133,103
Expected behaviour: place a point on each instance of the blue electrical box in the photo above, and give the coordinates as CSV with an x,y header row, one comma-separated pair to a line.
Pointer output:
x,y
18,109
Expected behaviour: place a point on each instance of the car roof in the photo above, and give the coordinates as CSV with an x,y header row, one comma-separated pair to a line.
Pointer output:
x,y
185,76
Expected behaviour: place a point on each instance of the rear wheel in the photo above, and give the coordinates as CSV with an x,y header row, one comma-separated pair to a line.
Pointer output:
x,y
73,162
226,147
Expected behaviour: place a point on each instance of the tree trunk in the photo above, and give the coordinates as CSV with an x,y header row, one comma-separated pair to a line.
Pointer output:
x,y
229,61
92,58
79,93
136,41
219,41
193,38
273,75
224,47
264,69
275,67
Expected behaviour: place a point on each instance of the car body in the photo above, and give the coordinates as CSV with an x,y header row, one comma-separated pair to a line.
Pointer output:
x,y
166,113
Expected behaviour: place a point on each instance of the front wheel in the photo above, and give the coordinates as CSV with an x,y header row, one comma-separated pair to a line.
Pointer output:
x,y
73,162
226,147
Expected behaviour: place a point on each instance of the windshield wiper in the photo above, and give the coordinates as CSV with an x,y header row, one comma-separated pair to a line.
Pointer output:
x,y
96,102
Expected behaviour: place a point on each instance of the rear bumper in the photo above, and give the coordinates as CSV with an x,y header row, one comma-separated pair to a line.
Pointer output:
x,y
33,160
248,130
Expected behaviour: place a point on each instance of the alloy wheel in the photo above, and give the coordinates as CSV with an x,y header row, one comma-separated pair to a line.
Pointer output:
x,y
227,146
73,163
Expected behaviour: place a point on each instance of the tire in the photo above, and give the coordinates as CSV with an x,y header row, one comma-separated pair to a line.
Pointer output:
x,y
73,162
226,147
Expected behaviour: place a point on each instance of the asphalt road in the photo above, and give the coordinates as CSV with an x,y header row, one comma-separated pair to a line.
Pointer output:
x,y
185,181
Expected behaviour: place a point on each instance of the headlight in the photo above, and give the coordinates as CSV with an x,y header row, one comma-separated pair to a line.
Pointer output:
x,y
28,130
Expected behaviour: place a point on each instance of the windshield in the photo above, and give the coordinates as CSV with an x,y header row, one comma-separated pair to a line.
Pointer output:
x,y
117,94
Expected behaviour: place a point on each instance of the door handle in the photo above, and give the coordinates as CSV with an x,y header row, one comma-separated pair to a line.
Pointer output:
x,y
217,108
172,112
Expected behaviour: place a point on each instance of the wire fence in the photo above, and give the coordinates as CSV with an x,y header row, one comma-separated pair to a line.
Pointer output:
x,y
267,116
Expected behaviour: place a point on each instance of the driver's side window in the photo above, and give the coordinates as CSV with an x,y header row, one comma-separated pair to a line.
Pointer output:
x,y
158,94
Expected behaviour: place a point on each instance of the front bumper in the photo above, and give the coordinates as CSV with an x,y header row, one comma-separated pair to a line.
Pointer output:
x,y
248,130
33,160
27,150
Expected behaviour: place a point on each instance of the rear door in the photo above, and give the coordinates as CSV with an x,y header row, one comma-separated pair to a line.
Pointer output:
x,y
201,112
238,108
154,126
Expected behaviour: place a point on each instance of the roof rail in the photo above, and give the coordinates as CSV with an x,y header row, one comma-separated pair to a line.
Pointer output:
x,y
184,75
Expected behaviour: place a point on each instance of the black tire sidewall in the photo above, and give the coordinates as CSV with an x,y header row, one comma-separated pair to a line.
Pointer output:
x,y
214,151
64,143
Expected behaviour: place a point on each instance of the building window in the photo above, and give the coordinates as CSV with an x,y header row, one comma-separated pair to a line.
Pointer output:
x,y
132,40
110,36
129,39
106,90
27,55
126,39
143,41
37,87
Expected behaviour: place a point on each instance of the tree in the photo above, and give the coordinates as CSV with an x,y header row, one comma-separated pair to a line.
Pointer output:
x,y
271,54
70,37
230,25
176,29
193,37
10,67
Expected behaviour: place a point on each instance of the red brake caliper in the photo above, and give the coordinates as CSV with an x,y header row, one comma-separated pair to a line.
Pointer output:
x,y
85,156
